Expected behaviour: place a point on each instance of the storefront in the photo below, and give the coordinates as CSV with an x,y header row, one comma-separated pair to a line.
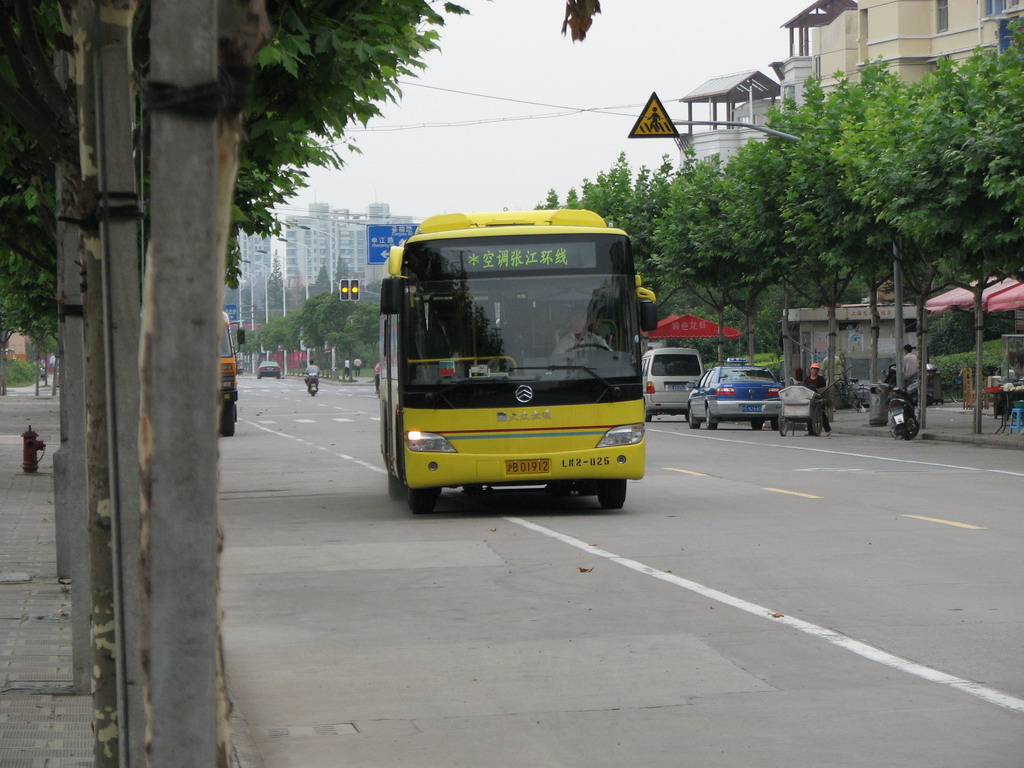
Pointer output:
x,y
807,340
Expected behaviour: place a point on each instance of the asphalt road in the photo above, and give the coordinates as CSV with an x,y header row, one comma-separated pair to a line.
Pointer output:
x,y
759,601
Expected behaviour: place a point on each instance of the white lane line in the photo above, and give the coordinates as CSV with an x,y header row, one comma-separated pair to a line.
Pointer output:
x,y
341,419
346,457
991,695
947,522
837,453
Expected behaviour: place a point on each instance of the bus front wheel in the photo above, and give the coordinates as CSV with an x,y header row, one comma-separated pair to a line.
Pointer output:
x,y
611,494
421,500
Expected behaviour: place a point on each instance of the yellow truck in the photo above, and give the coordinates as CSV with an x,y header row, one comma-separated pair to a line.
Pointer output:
x,y
228,393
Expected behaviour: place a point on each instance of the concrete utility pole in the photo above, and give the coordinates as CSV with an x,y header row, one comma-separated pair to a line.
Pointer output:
x,y
111,311
71,504
119,214
178,436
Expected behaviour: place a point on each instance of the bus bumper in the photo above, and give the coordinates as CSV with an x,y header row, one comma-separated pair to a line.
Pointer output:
x,y
433,470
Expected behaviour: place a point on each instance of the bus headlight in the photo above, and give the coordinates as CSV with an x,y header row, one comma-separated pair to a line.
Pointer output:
x,y
428,442
629,434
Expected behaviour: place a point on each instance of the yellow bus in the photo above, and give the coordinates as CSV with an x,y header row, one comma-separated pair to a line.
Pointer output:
x,y
510,356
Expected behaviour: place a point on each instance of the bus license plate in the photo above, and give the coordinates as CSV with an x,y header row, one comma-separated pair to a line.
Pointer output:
x,y
527,466
750,408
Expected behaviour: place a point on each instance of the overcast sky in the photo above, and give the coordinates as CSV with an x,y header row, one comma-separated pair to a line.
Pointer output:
x,y
496,119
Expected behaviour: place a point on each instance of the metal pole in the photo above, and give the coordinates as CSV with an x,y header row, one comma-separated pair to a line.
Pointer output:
x,y
734,124
897,289
121,293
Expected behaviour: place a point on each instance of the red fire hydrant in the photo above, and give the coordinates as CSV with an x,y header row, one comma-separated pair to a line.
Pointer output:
x,y
31,450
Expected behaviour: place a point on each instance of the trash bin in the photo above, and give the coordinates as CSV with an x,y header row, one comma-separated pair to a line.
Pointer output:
x,y
878,412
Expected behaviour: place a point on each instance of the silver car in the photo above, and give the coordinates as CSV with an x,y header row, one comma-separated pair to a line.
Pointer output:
x,y
669,375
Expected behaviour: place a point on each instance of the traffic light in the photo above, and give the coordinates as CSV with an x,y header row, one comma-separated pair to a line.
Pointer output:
x,y
344,290
353,290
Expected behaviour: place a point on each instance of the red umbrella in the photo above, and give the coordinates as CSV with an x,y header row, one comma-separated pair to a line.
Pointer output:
x,y
690,327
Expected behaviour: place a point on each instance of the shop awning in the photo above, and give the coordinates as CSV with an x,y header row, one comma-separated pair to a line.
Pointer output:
x,y
961,298
690,327
1009,298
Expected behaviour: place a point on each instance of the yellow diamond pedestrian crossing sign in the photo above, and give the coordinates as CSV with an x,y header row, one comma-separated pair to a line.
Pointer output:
x,y
654,122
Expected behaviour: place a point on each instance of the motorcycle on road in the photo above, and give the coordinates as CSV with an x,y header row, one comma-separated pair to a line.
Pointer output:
x,y
312,385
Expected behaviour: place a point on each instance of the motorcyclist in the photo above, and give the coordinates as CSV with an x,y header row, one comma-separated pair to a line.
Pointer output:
x,y
312,373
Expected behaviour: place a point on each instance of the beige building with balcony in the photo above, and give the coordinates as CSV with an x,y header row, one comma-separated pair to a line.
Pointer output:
x,y
910,36
836,37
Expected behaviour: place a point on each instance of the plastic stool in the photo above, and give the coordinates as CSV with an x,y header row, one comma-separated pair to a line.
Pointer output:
x,y
1016,421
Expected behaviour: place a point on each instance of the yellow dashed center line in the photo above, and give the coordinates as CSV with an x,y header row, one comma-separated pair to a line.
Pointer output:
x,y
793,493
685,471
948,522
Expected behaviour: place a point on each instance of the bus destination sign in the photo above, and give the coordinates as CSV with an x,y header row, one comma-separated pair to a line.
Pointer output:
x,y
522,259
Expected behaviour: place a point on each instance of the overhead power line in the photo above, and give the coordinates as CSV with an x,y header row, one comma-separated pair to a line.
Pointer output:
x,y
565,111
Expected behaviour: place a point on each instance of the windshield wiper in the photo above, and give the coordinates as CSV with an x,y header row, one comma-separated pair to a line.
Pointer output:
x,y
609,387
442,391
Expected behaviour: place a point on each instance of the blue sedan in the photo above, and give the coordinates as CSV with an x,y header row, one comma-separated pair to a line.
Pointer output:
x,y
735,392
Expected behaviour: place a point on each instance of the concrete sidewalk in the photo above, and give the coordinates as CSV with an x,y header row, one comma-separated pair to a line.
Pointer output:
x,y
42,725
950,422
41,722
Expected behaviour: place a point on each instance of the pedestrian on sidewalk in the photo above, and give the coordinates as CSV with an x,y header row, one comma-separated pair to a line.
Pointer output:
x,y
909,362
358,365
346,373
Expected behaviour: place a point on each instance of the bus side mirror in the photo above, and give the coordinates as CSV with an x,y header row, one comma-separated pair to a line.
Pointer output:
x,y
241,336
392,289
648,316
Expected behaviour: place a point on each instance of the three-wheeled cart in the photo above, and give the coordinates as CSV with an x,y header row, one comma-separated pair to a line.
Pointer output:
x,y
800,405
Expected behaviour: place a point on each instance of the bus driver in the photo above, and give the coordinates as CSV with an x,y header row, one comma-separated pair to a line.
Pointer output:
x,y
576,334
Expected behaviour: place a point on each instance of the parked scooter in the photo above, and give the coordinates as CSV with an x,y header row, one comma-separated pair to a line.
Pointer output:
x,y
312,385
902,403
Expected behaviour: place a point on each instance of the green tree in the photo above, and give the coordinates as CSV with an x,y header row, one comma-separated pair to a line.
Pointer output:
x,y
359,336
328,66
694,245
322,315
825,227
632,202
275,290
280,333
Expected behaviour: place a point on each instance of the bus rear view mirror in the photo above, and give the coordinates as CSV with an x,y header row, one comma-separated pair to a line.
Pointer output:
x,y
391,291
648,316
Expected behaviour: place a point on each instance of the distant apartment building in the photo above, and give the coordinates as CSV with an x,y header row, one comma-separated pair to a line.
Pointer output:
x,y
326,240
334,240
832,38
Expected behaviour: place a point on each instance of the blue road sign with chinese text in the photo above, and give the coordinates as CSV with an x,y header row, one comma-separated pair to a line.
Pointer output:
x,y
232,310
380,238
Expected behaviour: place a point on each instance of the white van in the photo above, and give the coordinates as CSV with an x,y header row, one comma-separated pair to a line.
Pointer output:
x,y
670,373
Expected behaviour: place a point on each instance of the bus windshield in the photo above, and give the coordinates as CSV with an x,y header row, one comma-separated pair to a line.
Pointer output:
x,y
550,309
